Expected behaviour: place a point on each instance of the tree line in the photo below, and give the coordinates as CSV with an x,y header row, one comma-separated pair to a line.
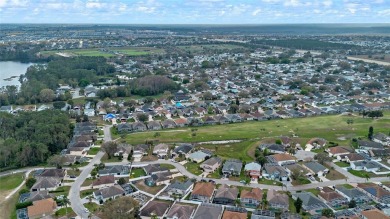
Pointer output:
x,y
29,138
144,86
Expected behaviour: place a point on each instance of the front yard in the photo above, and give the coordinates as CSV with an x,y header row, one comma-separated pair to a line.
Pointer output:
x,y
152,190
193,168
342,164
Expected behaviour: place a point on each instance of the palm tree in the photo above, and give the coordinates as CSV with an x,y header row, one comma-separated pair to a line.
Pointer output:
x,y
367,176
65,201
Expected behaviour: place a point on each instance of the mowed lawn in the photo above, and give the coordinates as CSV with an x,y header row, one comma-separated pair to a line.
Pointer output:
x,y
11,181
241,150
331,127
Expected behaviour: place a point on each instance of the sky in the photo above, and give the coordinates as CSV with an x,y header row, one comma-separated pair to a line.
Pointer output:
x,y
194,11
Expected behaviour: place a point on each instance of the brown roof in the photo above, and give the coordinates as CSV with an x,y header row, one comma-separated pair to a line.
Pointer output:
x,y
225,191
283,157
104,180
41,207
255,193
374,214
181,121
338,150
154,207
354,157
329,196
204,189
379,191
234,215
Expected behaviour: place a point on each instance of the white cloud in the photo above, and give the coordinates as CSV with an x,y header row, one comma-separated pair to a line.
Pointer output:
x,y
292,3
94,4
384,13
271,1
145,9
327,3
3,3
256,12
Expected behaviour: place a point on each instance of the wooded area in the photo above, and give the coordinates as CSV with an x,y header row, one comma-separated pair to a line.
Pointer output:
x,y
29,138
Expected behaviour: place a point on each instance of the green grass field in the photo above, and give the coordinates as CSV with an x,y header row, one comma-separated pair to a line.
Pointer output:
x,y
62,212
193,168
11,181
135,173
342,164
94,150
332,128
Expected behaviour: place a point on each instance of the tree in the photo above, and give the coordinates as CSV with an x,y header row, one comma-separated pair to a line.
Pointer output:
x,y
30,182
322,157
207,95
298,205
367,176
352,204
327,212
261,160
110,148
56,160
121,181
46,95
142,117
120,208
370,132
59,104
65,201
350,121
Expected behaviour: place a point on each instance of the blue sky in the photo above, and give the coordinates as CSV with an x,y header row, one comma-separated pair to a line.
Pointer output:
x,y
194,11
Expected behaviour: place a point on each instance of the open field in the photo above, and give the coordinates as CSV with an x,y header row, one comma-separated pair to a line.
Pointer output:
x,y
242,150
331,127
10,182
109,52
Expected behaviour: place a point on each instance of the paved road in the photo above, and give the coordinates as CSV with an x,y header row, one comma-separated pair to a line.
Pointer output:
x,y
184,171
74,193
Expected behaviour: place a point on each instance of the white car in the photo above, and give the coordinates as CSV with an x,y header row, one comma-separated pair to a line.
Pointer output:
x,y
86,210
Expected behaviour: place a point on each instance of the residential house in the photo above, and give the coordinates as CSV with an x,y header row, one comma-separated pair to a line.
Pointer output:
x,y
155,208
352,157
316,143
46,183
263,214
333,198
275,172
233,118
8,109
182,149
230,214
123,150
369,166
181,211
273,148
369,145
203,192
208,120
277,200
315,168
221,119
34,196
181,122
206,211
251,198
111,192
225,195
159,178
154,125
286,141
310,203
382,139
199,156
168,124
115,170
253,170
375,191
128,188
353,194
76,151
41,208
161,150
53,173
373,214
232,167
103,181
139,127
139,151
211,164
124,128
154,168
281,159
180,188
337,151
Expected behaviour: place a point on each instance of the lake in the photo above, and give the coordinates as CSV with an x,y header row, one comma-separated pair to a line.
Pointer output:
x,y
10,69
